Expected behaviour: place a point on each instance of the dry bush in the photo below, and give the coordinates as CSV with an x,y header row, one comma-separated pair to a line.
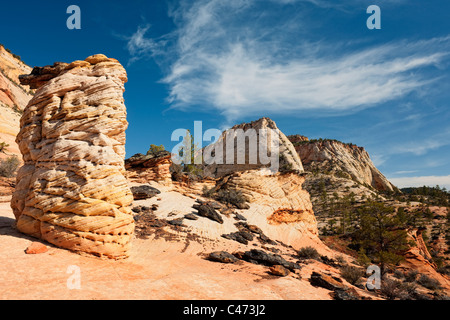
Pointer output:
x,y
9,166
352,274
429,283
308,253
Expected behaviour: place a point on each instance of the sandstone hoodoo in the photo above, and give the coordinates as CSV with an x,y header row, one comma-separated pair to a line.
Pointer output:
x,y
71,190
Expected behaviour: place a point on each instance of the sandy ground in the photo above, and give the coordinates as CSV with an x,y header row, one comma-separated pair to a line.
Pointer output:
x,y
156,269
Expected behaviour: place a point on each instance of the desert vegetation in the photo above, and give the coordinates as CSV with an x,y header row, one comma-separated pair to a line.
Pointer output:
x,y
374,230
9,166
230,197
3,146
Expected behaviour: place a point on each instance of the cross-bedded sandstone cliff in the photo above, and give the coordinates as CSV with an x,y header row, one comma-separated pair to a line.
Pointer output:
x,y
71,190
277,202
344,160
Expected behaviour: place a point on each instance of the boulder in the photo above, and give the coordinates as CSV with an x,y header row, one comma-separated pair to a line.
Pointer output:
x,y
36,248
144,192
241,236
151,167
325,281
191,216
279,270
282,191
209,212
222,256
268,259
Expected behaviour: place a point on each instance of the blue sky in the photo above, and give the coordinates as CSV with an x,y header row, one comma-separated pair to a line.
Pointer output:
x,y
311,65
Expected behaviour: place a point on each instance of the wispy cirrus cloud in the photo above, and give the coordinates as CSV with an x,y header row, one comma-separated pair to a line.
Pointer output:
x,y
229,57
423,146
405,171
138,45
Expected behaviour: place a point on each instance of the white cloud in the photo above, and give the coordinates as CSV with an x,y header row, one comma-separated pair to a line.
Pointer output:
x,y
139,46
423,146
227,57
431,181
405,171
378,159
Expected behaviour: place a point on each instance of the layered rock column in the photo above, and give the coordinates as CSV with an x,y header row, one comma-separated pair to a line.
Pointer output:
x,y
72,191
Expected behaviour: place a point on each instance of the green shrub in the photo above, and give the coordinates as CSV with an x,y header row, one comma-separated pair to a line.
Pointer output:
x,y
340,259
17,110
285,166
445,269
399,275
3,146
231,196
154,149
351,274
227,196
411,276
394,289
429,283
208,192
363,259
378,235
308,253
8,166
408,290
390,288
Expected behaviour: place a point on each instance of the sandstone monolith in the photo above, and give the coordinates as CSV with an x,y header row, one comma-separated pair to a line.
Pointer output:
x,y
71,190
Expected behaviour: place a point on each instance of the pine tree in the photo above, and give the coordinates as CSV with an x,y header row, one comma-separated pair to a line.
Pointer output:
x,y
379,235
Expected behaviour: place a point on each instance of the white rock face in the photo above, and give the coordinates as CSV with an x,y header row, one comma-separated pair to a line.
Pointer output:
x,y
71,190
345,160
285,158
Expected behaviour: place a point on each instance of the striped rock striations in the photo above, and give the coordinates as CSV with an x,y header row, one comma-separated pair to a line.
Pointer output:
x,y
278,204
344,160
151,167
71,190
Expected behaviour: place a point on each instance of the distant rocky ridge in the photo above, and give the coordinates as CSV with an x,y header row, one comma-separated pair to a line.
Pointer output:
x,y
72,191
342,160
298,153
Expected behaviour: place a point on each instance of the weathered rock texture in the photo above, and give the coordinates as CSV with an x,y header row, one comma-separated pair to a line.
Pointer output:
x,y
152,167
344,160
277,201
13,99
287,157
418,258
71,191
